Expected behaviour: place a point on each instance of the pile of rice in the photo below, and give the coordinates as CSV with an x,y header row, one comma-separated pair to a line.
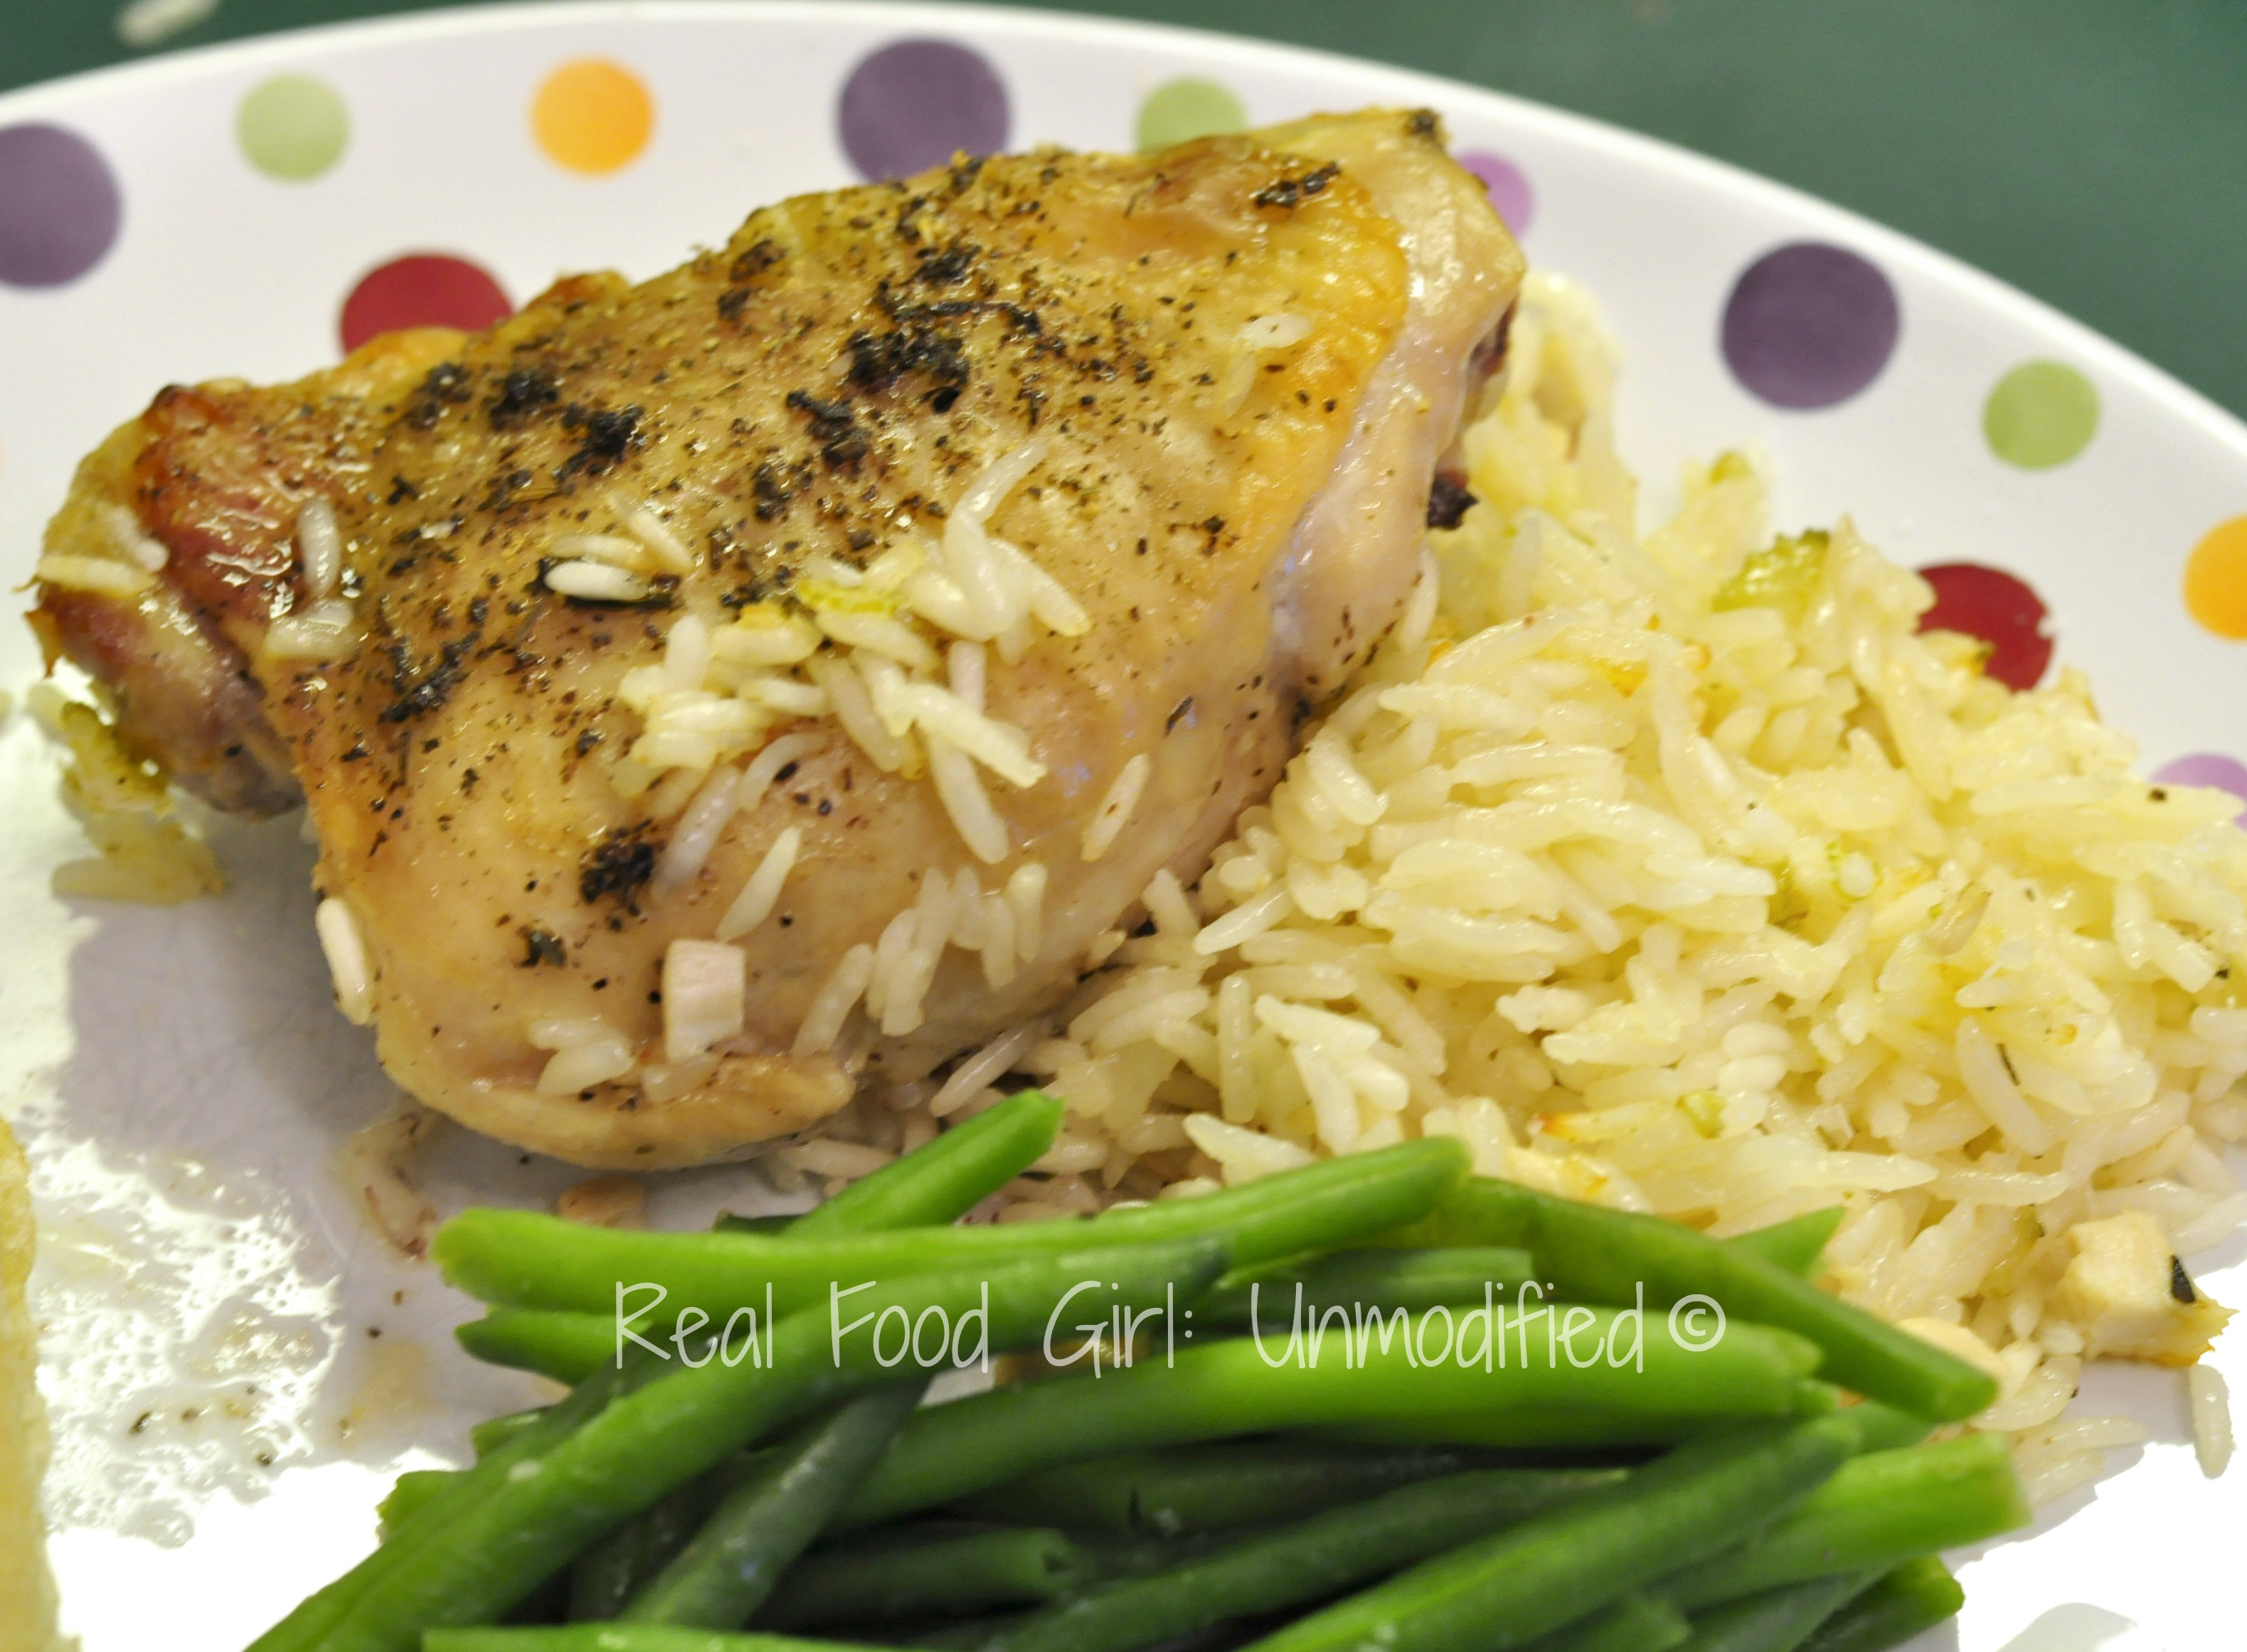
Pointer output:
x,y
1679,872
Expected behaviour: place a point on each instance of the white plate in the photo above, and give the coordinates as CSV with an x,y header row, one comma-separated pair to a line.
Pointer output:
x,y
179,1075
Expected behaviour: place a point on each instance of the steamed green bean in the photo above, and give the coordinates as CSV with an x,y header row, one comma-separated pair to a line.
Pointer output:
x,y
410,1493
617,1565
1887,1429
1777,1620
332,1605
1596,1429
1167,1492
522,1259
937,1184
943,1180
492,1433
729,1567
1797,1245
1210,1392
1913,1598
1303,1561
1603,1255
1877,1511
962,1572
1636,1623
1505,1591
564,1346
623,1637
1387,1279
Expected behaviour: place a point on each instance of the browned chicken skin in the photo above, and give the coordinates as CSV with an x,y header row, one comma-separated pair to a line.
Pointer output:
x,y
1230,368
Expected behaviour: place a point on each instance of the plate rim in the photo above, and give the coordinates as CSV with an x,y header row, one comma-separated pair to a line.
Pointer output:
x,y
2172,394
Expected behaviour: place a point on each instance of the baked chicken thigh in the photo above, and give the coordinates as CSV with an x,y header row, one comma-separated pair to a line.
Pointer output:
x,y
708,693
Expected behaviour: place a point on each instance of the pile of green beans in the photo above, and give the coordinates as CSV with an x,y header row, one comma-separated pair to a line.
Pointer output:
x,y
1291,1458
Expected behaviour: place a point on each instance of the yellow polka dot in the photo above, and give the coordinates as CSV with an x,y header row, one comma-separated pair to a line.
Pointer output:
x,y
592,115
2215,580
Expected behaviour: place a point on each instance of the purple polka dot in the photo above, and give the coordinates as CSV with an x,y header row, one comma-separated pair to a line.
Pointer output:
x,y
1508,185
1809,325
59,207
911,105
2207,768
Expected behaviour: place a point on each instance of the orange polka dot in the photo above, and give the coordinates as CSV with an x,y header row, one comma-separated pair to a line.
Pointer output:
x,y
592,115
2215,580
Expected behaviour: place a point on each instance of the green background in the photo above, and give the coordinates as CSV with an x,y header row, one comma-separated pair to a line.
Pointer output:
x,y
2092,152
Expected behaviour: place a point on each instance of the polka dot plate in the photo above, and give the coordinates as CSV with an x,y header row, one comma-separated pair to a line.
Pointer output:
x,y
232,1395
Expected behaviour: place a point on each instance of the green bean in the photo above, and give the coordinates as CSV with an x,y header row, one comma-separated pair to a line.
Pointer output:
x,y
522,1259
729,1567
1387,1279
1879,1510
1883,1427
566,1346
949,1177
1797,1245
969,1571
623,1637
1546,1429
547,1603
1605,1256
1305,1560
938,1183
493,1432
326,1608
1210,1487
1208,1391
1914,1597
1505,1591
412,1491
1636,1623
520,1511
1116,1554
620,1564
1540,1430
1533,1434
1777,1620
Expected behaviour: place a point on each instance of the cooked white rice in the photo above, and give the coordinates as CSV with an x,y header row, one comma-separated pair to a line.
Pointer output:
x,y
1678,872
2208,1397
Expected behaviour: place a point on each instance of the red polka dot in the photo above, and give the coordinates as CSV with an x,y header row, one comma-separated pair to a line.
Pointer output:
x,y
421,289
1997,607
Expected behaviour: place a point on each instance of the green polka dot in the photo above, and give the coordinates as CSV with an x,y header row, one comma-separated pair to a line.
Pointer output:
x,y
1178,111
2040,414
292,127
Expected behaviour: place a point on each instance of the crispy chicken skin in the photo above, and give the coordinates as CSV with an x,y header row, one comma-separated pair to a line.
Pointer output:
x,y
1242,357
